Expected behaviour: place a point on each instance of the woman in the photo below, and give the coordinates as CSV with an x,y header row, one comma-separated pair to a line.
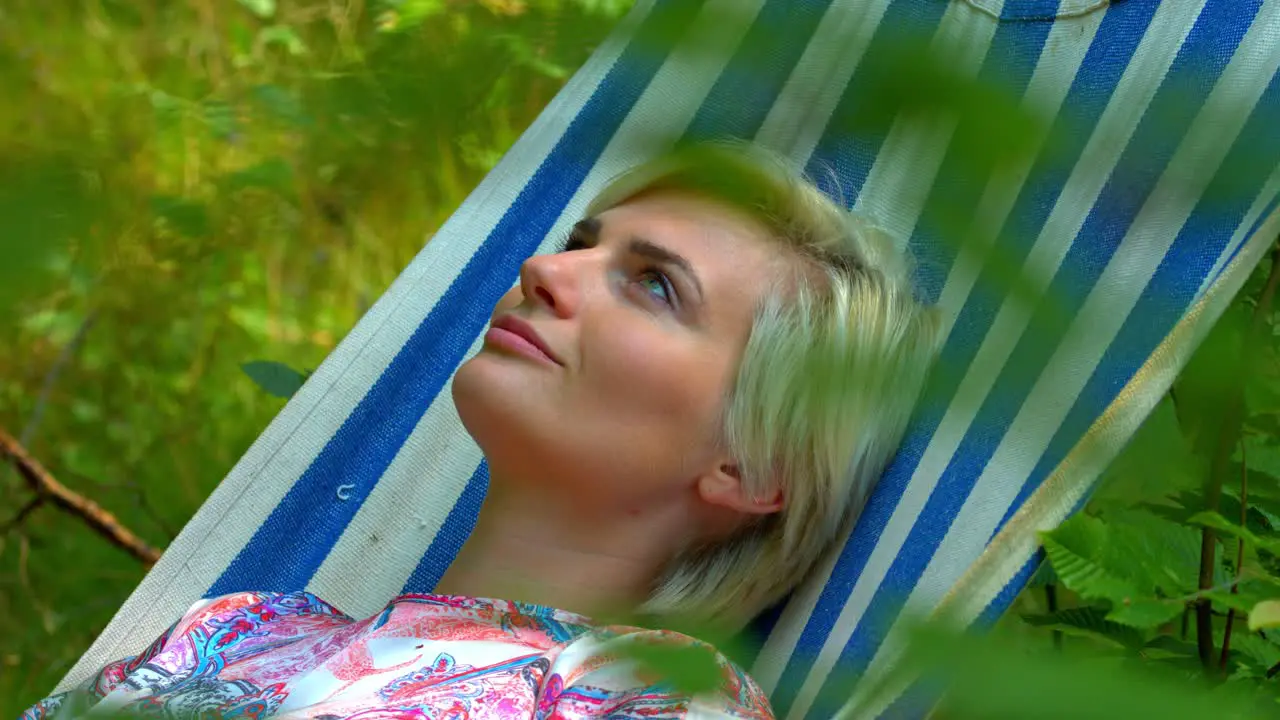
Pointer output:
x,y
680,411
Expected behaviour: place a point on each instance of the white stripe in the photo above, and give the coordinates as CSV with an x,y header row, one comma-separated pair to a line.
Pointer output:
x,y
258,482
1065,48
1142,77
799,117
904,170
793,127
877,693
1096,326
401,517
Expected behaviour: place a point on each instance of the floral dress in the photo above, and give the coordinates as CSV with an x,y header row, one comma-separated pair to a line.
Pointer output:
x,y
292,655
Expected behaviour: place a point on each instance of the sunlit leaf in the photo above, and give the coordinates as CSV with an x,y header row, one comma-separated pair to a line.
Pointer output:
x,y
262,8
284,36
1265,614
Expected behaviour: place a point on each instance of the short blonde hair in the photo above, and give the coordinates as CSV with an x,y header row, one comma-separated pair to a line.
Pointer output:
x,y
832,368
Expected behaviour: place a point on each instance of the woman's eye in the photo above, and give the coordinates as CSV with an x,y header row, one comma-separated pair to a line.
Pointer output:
x,y
572,242
658,285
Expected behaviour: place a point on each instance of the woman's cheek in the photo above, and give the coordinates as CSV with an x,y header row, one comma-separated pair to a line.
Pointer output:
x,y
663,375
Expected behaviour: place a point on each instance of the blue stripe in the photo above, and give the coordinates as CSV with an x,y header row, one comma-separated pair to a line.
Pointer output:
x,y
758,70
1197,66
1109,55
849,147
749,86
1265,215
1175,283
291,544
457,527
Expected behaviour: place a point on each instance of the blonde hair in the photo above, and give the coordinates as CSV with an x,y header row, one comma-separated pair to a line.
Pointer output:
x,y
835,360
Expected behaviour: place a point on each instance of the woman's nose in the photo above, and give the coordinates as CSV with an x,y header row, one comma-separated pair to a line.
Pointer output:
x,y
552,282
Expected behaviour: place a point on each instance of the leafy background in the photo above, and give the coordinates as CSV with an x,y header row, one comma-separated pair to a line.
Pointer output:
x,y
199,199
187,187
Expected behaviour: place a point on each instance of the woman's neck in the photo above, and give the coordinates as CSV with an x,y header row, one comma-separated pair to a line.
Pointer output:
x,y
532,548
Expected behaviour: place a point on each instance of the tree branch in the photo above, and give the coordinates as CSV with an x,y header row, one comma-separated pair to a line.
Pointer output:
x,y
47,489
1244,522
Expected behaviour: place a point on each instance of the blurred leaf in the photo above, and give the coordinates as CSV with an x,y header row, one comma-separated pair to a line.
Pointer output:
x,y
45,203
273,174
282,104
1155,463
186,217
994,679
276,378
403,15
690,668
1210,376
262,8
284,36
220,117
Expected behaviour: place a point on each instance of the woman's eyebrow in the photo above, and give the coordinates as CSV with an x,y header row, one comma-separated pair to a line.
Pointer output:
x,y
590,228
657,253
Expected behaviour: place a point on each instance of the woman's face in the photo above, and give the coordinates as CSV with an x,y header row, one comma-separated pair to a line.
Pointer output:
x,y
643,320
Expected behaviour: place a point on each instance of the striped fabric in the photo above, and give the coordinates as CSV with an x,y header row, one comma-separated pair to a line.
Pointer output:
x,y
1154,197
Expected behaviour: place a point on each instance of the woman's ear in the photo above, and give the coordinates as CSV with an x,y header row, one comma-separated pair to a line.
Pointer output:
x,y
723,487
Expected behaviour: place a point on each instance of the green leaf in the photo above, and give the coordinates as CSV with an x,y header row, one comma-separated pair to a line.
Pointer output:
x,y
262,8
186,217
1223,525
276,378
1074,549
1146,612
1262,456
1265,614
1089,621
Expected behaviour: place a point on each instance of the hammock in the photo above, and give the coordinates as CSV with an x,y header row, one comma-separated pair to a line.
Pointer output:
x,y
1153,197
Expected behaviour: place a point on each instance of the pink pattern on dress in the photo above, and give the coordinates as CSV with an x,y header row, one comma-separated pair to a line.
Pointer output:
x,y
262,655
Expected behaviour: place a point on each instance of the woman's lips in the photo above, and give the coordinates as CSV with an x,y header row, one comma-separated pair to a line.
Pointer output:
x,y
515,335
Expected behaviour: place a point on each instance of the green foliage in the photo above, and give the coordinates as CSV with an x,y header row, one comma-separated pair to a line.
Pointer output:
x,y
1126,573
186,188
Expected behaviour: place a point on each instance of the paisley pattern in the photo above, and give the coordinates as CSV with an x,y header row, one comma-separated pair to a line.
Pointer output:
x,y
435,657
